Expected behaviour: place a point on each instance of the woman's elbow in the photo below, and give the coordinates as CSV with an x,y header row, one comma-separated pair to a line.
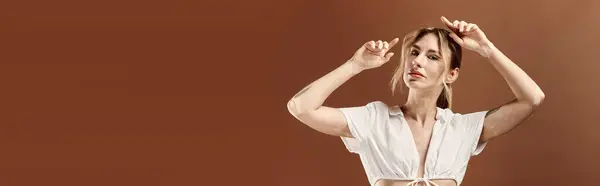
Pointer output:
x,y
291,107
294,108
538,99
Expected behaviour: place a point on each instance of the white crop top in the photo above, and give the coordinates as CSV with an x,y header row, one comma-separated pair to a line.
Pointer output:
x,y
384,142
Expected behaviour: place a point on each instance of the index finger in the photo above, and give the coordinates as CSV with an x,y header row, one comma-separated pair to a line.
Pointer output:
x,y
394,42
448,23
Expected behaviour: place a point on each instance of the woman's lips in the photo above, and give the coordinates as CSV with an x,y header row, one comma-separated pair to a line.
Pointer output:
x,y
416,74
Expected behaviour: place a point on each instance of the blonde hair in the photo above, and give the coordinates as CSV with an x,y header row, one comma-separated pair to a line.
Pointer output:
x,y
449,49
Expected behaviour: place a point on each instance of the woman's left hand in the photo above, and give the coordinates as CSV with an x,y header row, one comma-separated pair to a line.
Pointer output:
x,y
469,36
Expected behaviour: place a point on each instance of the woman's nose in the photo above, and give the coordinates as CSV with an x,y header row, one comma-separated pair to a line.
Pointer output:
x,y
418,61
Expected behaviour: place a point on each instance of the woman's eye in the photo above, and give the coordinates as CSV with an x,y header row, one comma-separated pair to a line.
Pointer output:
x,y
434,57
414,53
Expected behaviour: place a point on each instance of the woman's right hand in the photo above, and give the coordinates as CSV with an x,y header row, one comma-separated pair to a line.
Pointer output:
x,y
373,54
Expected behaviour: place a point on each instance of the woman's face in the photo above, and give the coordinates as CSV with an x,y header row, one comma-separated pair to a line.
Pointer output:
x,y
424,66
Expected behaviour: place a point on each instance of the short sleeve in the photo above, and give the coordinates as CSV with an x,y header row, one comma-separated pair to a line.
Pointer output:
x,y
474,123
359,120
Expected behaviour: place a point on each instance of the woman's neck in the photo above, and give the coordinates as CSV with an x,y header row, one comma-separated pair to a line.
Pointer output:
x,y
421,106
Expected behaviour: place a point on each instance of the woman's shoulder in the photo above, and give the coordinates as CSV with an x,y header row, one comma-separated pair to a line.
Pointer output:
x,y
383,108
460,117
382,105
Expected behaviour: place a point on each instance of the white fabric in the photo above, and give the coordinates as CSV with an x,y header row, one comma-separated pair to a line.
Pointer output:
x,y
384,142
419,180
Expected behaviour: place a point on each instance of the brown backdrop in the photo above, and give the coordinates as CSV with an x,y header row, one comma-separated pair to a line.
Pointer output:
x,y
180,93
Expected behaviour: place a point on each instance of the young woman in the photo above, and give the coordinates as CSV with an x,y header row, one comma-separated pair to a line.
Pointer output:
x,y
421,142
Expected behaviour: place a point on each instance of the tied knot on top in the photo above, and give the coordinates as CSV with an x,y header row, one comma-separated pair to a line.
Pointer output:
x,y
421,180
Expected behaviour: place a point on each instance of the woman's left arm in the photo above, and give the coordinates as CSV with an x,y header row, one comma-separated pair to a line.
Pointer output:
x,y
528,94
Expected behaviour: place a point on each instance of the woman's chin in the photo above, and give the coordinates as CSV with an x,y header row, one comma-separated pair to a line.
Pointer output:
x,y
415,84
419,85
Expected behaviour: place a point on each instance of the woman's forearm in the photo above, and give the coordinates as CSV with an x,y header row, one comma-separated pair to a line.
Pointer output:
x,y
524,88
312,96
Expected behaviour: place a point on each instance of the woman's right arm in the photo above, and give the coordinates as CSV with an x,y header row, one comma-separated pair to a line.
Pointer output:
x,y
307,104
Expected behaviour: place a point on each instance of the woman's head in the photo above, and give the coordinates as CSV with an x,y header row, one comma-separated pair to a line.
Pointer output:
x,y
429,61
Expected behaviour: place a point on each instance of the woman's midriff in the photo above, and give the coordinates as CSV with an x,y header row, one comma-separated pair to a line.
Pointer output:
x,y
404,183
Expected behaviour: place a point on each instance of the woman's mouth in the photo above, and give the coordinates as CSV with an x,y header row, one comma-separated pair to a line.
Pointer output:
x,y
416,74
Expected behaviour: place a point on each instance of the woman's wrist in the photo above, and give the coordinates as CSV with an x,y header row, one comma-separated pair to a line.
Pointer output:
x,y
353,66
487,49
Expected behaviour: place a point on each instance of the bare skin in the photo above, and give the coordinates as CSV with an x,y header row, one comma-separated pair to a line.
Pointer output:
x,y
420,108
421,134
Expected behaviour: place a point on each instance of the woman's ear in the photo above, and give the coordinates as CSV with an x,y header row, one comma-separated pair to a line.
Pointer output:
x,y
452,75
